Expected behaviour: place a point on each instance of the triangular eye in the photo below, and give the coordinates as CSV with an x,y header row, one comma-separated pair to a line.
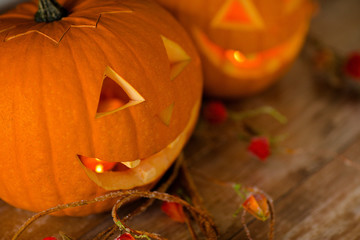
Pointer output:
x,y
238,14
116,94
166,114
178,58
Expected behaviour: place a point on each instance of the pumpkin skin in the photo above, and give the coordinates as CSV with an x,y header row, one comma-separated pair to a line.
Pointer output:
x,y
53,79
245,45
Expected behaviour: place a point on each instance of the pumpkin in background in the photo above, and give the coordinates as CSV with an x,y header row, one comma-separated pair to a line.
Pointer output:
x,y
101,100
245,44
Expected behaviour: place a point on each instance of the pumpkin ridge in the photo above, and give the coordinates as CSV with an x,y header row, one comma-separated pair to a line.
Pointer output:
x,y
55,190
25,173
150,22
107,61
87,110
99,47
20,163
136,57
17,159
129,110
133,122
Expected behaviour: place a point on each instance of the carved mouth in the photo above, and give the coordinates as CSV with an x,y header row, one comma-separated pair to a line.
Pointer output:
x,y
127,175
238,65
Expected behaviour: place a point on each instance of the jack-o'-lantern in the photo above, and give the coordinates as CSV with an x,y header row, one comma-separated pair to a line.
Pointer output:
x,y
96,96
245,45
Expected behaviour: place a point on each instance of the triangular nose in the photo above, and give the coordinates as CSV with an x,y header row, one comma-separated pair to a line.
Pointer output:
x,y
238,14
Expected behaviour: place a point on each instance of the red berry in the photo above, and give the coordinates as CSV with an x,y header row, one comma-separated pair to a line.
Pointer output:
x,y
260,147
215,112
352,65
174,211
50,238
125,236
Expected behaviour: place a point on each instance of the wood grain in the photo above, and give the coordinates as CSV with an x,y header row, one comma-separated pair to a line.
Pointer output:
x,y
316,193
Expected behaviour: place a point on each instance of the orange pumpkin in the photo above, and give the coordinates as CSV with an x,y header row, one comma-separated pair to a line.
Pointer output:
x,y
100,100
245,45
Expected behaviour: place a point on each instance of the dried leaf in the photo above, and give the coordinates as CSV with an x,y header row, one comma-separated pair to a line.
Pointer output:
x,y
174,211
257,205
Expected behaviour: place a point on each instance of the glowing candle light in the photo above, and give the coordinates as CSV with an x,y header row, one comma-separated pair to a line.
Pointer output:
x,y
236,57
239,57
99,168
96,164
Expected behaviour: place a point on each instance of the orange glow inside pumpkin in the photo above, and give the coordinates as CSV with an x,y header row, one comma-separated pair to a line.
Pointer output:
x,y
240,61
99,166
237,56
236,13
96,164
112,96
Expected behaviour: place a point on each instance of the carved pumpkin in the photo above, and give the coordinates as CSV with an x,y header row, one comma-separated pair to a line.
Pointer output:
x,y
245,45
101,100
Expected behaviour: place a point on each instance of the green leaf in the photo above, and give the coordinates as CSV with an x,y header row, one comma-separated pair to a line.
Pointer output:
x,y
122,227
259,111
236,213
143,236
239,190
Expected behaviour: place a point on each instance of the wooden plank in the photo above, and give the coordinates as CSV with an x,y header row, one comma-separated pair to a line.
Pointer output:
x,y
324,206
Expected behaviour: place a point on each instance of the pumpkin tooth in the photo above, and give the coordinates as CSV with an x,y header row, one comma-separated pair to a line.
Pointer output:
x,y
132,164
146,173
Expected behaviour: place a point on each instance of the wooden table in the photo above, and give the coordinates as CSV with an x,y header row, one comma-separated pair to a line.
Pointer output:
x,y
316,194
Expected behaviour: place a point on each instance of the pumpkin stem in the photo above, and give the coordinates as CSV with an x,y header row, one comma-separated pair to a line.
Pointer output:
x,y
50,11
